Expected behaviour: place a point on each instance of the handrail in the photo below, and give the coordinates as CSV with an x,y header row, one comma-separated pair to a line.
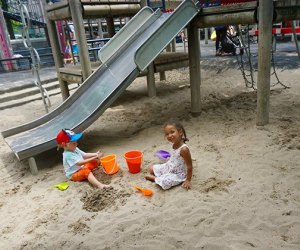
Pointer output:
x,y
35,59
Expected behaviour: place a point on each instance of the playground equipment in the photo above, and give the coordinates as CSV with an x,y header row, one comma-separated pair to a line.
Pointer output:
x,y
11,12
246,66
35,59
131,51
127,54
157,5
5,48
246,13
77,10
11,22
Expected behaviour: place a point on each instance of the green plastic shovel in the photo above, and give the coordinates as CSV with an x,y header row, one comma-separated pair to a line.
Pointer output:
x,y
61,186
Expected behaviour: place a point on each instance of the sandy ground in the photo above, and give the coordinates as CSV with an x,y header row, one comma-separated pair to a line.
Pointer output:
x,y
246,179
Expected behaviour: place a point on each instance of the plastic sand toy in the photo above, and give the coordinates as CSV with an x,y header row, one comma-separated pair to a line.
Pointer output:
x,y
146,192
162,154
61,186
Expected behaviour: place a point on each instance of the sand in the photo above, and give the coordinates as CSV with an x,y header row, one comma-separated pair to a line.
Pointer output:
x,y
245,186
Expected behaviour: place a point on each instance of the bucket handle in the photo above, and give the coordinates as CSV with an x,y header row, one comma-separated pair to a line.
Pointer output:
x,y
113,169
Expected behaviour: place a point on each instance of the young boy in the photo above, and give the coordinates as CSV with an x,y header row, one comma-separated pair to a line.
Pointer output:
x,y
78,165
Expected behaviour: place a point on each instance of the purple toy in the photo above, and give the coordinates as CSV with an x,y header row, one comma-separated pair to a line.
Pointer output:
x,y
162,154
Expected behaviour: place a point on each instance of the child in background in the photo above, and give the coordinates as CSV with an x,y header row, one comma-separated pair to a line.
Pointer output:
x,y
179,168
68,57
78,165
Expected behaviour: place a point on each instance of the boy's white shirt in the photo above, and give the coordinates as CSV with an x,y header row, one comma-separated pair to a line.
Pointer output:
x,y
70,158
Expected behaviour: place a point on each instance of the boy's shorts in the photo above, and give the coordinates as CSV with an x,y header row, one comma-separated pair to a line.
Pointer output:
x,y
83,173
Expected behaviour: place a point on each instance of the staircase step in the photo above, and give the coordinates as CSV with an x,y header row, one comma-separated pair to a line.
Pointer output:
x,y
21,97
21,93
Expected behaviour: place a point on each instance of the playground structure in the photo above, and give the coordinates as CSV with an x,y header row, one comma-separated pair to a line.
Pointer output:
x,y
12,11
5,48
131,51
12,24
99,9
7,56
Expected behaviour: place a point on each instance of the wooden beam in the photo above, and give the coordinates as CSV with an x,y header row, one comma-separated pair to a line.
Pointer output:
x,y
264,61
59,14
110,26
58,60
151,81
195,72
56,6
32,166
76,11
246,17
111,10
95,2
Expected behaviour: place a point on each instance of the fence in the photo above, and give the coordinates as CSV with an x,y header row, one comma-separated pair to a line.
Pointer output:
x,y
212,3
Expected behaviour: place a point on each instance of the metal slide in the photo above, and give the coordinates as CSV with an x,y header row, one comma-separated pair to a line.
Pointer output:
x,y
121,65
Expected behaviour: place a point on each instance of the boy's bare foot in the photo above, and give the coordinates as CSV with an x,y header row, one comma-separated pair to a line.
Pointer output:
x,y
103,186
150,178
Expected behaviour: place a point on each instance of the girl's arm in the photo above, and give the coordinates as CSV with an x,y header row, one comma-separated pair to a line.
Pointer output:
x,y
186,155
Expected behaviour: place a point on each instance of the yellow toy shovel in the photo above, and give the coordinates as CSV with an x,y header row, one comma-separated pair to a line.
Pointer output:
x,y
61,186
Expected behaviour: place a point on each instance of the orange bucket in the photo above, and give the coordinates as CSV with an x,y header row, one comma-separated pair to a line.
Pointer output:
x,y
134,161
109,164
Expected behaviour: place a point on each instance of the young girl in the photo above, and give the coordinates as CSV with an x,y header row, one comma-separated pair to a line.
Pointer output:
x,y
179,168
78,165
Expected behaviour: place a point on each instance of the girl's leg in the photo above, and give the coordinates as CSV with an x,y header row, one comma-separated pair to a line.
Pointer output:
x,y
92,179
151,170
151,176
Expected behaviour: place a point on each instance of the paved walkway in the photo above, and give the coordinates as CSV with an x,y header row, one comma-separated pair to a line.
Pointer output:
x,y
13,81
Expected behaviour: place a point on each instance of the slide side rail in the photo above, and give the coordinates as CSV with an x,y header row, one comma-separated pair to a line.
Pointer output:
x,y
183,14
124,34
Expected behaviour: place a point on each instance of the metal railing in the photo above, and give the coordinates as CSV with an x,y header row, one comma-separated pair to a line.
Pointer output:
x,y
23,61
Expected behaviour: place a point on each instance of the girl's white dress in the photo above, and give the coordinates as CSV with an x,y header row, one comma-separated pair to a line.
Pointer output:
x,y
173,172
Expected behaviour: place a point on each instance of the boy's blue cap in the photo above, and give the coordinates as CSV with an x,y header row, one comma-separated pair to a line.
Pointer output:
x,y
73,136
67,135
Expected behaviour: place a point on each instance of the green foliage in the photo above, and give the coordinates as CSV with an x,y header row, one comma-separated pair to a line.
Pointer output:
x,y
16,25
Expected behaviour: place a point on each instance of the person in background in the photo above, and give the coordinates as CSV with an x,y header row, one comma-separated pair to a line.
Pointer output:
x,y
68,56
220,38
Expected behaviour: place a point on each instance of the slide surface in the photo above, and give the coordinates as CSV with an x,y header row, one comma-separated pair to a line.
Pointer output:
x,y
105,85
